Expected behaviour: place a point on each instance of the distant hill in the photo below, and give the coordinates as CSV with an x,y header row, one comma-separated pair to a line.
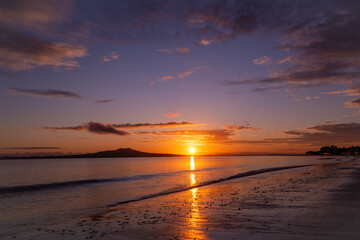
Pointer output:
x,y
119,153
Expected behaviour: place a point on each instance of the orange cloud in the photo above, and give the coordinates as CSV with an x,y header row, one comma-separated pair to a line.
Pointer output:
x,y
165,78
208,136
110,57
171,114
184,74
353,103
347,92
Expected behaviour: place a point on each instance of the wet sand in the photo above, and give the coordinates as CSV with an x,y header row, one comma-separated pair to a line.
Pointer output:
x,y
319,202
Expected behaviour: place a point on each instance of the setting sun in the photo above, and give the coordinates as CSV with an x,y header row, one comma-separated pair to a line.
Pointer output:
x,y
192,150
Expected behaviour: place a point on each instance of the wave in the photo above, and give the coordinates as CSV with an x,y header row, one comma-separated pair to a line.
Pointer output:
x,y
46,186
206,183
55,185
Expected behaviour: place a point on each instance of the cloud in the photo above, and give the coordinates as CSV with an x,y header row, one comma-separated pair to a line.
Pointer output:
x,y
206,42
30,148
93,127
102,128
33,14
234,127
308,98
24,26
181,75
355,91
208,136
165,78
322,40
48,93
353,103
151,83
74,128
185,74
338,133
176,50
155,125
110,57
171,114
105,101
20,51
318,135
262,61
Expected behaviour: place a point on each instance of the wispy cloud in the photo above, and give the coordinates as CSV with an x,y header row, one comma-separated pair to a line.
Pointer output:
x,y
112,56
176,50
209,136
105,101
298,99
234,127
262,61
181,75
355,91
102,128
171,114
165,78
48,93
185,74
155,125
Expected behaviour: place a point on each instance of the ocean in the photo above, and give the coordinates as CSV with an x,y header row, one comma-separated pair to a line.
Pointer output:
x,y
38,193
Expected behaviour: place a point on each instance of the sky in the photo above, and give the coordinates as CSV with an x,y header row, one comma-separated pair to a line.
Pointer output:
x,y
224,77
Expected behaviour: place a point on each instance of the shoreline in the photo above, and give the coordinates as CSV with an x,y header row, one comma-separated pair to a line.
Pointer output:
x,y
273,205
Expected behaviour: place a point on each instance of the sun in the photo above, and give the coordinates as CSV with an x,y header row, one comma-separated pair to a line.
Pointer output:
x,y
192,150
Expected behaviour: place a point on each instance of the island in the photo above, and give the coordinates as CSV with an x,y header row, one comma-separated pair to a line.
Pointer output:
x,y
118,153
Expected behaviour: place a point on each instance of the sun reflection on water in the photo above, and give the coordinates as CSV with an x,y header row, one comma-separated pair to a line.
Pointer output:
x,y
194,217
192,163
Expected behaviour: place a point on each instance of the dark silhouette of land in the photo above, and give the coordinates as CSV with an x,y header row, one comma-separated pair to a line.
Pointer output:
x,y
119,153
334,150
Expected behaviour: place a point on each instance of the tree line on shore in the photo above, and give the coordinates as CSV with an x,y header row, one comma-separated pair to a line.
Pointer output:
x,y
334,150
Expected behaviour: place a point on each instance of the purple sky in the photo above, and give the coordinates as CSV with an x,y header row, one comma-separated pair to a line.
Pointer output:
x,y
163,76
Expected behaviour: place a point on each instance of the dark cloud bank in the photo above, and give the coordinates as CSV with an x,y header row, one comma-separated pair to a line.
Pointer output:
x,y
102,128
48,93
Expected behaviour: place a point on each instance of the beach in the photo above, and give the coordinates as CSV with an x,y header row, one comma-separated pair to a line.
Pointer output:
x,y
314,202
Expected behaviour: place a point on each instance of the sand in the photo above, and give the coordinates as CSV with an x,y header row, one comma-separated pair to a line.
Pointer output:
x,y
320,202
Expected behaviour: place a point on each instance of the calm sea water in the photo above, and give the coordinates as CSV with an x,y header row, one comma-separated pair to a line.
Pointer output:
x,y
41,192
